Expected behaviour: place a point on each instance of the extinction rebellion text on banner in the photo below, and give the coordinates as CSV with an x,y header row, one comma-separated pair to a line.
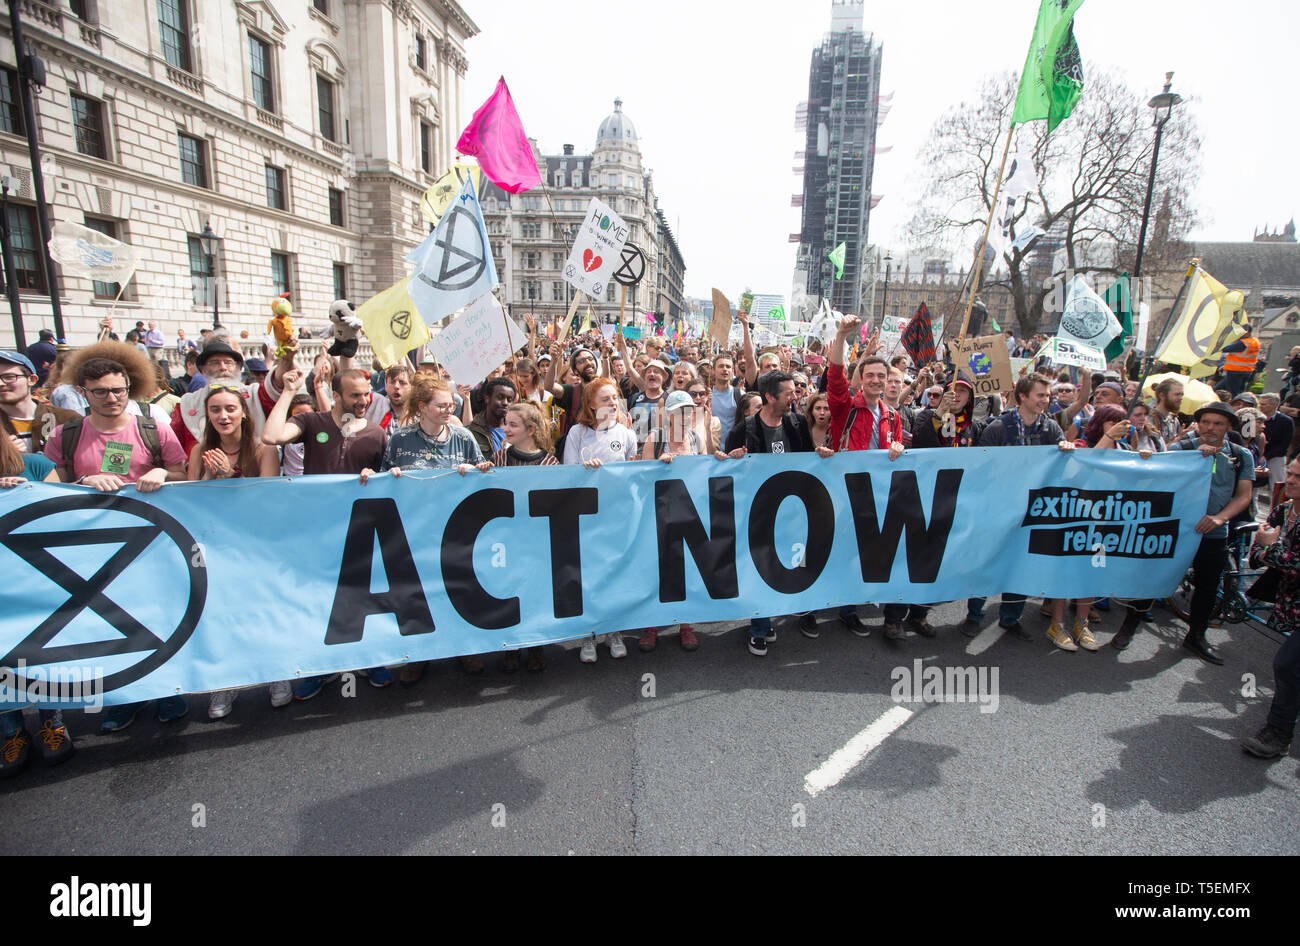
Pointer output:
x,y
211,585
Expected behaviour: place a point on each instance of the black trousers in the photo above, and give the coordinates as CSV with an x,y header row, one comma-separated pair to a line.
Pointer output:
x,y
1207,568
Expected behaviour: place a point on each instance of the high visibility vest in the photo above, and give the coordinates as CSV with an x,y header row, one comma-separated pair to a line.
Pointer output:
x,y
1243,360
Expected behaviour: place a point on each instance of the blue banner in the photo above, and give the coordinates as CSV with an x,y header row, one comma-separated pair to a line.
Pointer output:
x,y
203,586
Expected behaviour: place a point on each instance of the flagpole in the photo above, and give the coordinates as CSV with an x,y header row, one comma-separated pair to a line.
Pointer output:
x,y
979,260
1173,313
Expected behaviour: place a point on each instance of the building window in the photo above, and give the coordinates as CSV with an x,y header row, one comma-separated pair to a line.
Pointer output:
x,y
609,292
426,147
532,260
280,273
530,231
557,291
336,210
259,57
276,190
322,5
530,291
11,112
419,53
88,123
106,290
194,165
325,108
25,247
557,261
577,178
78,8
559,178
201,272
340,281
174,31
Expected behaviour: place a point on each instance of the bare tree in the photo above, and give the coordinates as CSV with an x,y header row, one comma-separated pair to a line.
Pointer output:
x,y
1092,174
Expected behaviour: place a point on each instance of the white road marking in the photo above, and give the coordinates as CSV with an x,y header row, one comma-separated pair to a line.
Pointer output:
x,y
985,639
843,761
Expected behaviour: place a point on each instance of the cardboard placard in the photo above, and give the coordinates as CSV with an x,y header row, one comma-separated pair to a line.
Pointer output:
x,y
1066,351
478,340
984,362
720,327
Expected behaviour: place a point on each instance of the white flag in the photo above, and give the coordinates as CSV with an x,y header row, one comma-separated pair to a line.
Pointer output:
x,y
454,265
1086,318
1020,178
82,251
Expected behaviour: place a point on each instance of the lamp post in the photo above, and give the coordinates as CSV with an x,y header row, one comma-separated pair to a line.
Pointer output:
x,y
885,295
209,240
1163,105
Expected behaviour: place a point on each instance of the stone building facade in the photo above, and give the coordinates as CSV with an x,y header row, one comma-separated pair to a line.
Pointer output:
x,y
531,232
302,132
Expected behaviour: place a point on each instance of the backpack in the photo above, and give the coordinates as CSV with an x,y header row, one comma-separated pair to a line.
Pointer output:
x,y
144,423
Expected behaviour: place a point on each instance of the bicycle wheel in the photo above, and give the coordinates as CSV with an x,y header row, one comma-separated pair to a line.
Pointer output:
x,y
1234,611
1180,601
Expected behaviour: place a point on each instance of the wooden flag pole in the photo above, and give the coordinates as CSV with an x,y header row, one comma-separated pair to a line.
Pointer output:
x,y
1173,316
563,331
622,301
979,259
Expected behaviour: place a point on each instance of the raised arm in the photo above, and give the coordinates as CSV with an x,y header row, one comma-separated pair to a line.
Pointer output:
x,y
279,429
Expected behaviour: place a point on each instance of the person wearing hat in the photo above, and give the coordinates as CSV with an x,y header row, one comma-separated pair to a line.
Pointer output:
x,y
256,370
1232,479
25,419
1108,392
220,362
42,353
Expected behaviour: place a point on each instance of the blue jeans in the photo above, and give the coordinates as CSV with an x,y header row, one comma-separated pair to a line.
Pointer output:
x,y
1234,382
760,627
1010,609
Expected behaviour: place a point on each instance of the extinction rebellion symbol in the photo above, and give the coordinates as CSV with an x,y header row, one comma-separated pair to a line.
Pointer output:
x,y
400,324
155,645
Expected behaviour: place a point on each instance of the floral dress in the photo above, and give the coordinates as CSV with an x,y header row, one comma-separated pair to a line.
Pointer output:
x,y
1283,555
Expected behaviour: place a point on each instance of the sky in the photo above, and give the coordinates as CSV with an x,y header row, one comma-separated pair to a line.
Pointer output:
x,y
712,87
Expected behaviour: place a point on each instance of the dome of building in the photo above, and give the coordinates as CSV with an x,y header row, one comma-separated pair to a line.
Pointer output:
x,y
616,126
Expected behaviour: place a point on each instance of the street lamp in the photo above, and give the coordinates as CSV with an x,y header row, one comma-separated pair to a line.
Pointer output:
x,y
209,240
885,295
1163,106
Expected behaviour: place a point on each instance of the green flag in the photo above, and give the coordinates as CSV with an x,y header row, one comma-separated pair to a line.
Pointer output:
x,y
777,312
837,254
1053,75
994,322
1117,297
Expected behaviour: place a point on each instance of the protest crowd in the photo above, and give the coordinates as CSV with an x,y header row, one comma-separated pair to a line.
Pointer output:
x,y
111,414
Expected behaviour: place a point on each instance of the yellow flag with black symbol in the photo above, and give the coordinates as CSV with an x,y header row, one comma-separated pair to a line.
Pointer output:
x,y
1212,316
434,201
392,323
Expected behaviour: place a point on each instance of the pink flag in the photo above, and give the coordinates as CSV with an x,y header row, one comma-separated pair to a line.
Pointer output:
x,y
496,137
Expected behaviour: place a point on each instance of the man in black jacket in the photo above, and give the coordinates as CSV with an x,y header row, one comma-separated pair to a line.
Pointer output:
x,y
774,429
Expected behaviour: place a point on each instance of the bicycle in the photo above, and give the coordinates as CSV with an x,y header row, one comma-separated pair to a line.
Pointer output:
x,y
1232,605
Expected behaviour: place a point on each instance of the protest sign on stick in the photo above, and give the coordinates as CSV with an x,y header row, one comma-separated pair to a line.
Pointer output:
x,y
596,250
720,327
478,340
983,361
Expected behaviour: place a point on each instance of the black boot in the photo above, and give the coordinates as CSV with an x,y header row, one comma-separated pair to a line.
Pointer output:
x,y
1124,636
1196,643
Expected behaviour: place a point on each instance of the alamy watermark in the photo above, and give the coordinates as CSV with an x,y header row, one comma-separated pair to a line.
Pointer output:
x,y
934,684
58,684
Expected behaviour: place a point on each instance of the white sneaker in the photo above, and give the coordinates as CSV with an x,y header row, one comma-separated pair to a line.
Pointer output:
x,y
616,646
220,704
588,653
281,693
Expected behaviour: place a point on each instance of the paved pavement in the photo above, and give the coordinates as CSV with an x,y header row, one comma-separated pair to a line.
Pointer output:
x,y
706,752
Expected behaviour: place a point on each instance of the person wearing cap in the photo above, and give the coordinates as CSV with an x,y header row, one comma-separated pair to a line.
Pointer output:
x,y
684,436
1108,392
1232,478
25,420
42,353
256,369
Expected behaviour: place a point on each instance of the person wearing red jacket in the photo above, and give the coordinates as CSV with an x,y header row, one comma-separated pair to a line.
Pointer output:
x,y
863,421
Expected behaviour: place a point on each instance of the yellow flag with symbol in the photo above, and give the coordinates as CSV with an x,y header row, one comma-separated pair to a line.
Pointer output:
x,y
434,201
392,323
1212,316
